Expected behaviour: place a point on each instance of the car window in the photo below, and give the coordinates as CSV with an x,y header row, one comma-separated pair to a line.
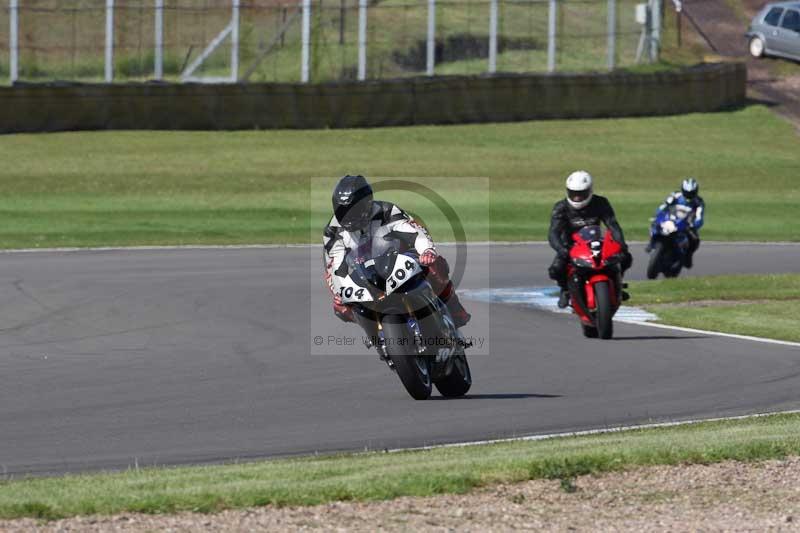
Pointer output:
x,y
791,20
774,16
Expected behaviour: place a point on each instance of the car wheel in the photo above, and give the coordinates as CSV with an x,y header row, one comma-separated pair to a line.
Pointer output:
x,y
757,47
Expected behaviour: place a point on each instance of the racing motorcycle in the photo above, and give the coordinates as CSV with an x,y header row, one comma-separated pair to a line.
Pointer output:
x,y
669,241
416,336
595,281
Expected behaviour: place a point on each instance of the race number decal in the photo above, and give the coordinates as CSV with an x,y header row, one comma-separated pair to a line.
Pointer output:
x,y
404,269
349,291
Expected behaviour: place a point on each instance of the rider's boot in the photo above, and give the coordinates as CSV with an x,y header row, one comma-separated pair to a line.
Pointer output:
x,y
457,311
688,260
370,342
563,298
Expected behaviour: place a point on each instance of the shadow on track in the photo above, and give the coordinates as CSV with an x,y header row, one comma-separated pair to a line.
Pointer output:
x,y
498,396
660,337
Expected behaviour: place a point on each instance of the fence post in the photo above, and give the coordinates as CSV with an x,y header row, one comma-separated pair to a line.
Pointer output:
x,y
109,41
551,36
362,40
13,40
306,40
159,51
655,45
235,42
431,63
612,34
493,36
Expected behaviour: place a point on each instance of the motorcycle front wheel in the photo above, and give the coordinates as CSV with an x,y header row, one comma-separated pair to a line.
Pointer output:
x,y
604,313
413,369
590,332
654,264
459,380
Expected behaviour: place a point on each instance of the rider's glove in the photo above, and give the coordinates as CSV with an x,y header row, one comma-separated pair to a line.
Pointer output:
x,y
428,257
344,312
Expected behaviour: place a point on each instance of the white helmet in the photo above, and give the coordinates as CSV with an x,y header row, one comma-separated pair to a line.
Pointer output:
x,y
579,189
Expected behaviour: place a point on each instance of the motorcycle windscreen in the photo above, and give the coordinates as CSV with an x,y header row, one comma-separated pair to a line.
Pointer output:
x,y
587,247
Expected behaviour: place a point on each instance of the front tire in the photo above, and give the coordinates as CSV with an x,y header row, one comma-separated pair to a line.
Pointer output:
x,y
655,262
604,313
590,332
757,47
413,370
458,382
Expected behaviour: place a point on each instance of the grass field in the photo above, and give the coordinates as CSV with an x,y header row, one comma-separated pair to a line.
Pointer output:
x,y
380,476
129,188
757,305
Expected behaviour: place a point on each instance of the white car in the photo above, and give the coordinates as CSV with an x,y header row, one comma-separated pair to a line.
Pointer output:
x,y
775,31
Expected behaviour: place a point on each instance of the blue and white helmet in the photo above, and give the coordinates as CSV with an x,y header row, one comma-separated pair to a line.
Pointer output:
x,y
579,189
690,188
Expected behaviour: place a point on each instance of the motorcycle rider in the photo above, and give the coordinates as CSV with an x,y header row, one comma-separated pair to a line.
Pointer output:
x,y
579,209
356,216
688,196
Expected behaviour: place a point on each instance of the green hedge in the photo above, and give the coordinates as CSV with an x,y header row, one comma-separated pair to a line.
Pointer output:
x,y
438,100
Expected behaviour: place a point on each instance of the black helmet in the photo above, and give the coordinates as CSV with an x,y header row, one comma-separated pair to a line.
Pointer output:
x,y
690,188
352,202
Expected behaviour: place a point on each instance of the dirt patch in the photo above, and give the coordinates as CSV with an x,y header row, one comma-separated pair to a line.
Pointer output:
x,y
751,7
458,48
728,496
713,303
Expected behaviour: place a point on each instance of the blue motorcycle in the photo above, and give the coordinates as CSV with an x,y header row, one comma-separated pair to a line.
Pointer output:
x,y
669,241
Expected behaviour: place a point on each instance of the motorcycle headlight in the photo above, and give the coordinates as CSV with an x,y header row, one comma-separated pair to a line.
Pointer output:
x,y
613,260
583,263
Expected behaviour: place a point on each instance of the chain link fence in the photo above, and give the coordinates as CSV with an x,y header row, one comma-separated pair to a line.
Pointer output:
x,y
318,40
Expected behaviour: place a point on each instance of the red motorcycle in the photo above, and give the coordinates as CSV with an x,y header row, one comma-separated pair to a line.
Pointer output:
x,y
595,280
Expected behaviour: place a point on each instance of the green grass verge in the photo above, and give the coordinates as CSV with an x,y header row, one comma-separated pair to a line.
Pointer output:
x,y
129,188
760,305
380,476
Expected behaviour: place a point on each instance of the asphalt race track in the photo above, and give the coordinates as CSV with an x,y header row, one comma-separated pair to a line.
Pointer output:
x,y
110,359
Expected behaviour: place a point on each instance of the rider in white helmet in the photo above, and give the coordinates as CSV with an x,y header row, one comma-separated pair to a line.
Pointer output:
x,y
580,208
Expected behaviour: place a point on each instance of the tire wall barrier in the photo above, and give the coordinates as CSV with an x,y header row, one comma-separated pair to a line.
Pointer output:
x,y
438,100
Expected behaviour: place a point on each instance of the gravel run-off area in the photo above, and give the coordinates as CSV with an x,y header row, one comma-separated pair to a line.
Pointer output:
x,y
726,496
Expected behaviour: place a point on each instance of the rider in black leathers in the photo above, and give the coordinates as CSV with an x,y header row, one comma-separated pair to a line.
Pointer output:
x,y
581,208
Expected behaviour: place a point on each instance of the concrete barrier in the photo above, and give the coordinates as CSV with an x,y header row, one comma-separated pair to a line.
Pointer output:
x,y
439,100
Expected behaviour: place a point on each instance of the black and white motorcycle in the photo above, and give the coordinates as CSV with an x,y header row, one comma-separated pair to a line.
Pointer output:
x,y
415,334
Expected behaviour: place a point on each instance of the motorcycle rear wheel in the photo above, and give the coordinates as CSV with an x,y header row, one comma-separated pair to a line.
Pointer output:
x,y
413,369
673,269
604,313
458,382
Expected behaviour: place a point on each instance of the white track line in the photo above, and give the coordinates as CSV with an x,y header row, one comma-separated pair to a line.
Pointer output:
x,y
714,333
614,429
159,248
314,245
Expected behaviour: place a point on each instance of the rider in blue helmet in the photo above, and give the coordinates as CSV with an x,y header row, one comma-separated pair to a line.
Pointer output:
x,y
688,196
